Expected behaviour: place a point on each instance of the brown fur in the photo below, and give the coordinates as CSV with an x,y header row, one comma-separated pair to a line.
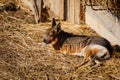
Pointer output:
x,y
90,47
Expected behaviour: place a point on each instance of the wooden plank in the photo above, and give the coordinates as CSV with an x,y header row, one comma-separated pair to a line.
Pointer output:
x,y
82,13
77,12
68,10
65,10
72,10
61,7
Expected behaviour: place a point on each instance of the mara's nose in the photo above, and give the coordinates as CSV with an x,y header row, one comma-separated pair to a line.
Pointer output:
x,y
44,41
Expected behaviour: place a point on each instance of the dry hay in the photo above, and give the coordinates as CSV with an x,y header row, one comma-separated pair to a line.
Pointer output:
x,y
24,57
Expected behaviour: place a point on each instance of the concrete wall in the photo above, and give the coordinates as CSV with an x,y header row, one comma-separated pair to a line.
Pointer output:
x,y
104,24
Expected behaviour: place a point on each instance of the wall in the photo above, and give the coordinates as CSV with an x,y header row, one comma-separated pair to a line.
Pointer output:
x,y
104,23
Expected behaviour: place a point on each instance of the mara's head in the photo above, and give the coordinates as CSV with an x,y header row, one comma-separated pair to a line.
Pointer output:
x,y
52,33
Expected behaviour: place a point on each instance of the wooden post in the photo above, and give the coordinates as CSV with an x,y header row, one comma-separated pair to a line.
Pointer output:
x,y
65,10
82,13
75,11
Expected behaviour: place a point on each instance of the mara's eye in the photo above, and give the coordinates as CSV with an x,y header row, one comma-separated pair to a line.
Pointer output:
x,y
52,33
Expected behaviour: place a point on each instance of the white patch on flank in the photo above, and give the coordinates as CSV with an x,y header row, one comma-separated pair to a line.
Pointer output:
x,y
101,50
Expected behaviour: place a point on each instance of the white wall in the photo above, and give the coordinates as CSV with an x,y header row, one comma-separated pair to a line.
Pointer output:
x,y
104,24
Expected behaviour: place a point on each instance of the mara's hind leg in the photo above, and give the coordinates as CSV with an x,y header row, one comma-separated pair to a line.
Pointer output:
x,y
99,57
99,53
88,53
95,60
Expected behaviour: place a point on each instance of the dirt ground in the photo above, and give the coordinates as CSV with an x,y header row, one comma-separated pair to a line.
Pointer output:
x,y
24,57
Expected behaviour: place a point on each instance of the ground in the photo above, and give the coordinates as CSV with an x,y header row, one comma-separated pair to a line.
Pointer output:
x,y
23,56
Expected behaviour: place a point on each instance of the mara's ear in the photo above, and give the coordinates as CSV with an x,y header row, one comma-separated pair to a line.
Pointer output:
x,y
58,27
53,22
